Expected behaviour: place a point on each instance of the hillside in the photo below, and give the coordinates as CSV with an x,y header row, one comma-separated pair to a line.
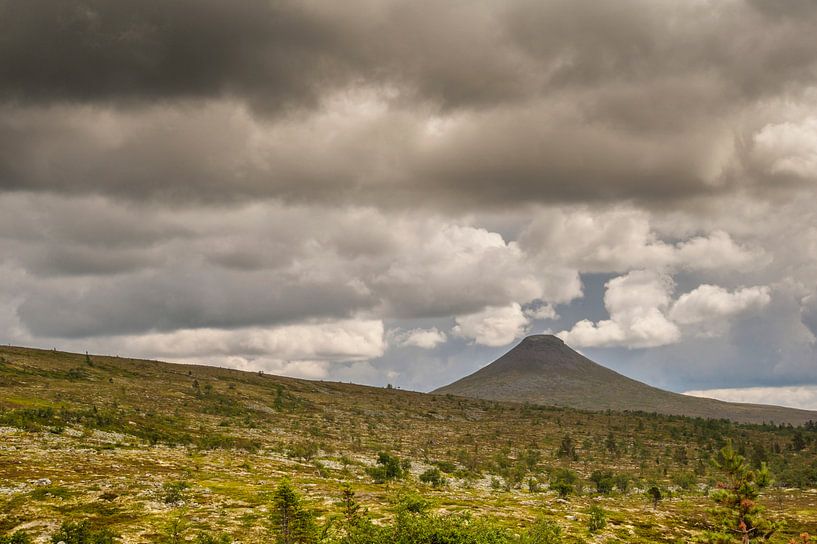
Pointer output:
x,y
542,369
140,447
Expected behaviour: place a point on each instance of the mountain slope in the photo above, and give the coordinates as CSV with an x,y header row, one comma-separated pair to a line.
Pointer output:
x,y
543,370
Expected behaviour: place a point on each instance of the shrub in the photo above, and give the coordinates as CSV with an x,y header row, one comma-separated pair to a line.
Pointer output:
x,y
174,492
622,482
82,533
597,519
305,451
207,538
446,466
388,468
432,476
542,532
46,491
413,503
563,481
684,480
18,537
533,485
415,525
604,480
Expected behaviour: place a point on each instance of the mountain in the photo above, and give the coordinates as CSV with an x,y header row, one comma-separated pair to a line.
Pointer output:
x,y
542,369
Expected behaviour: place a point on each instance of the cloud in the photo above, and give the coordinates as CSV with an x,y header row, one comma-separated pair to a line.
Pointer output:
x,y
493,326
789,148
643,314
636,304
622,239
306,350
421,338
804,397
261,264
708,302
474,105
347,340
716,251
542,311
133,51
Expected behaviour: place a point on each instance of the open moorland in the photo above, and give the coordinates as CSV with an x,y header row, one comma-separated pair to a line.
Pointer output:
x,y
145,451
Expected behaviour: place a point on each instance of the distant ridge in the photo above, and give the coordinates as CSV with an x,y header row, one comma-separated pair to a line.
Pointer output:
x,y
542,369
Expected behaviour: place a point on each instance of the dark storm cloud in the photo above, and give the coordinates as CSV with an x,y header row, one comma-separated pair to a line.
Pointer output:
x,y
283,52
276,54
193,298
481,103
97,50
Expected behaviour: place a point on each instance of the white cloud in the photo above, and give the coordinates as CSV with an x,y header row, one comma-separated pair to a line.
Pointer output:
x,y
421,338
789,147
717,251
802,396
493,326
614,240
542,311
449,268
304,350
708,302
622,239
635,302
643,314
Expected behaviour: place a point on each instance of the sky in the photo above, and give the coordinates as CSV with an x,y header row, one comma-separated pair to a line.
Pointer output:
x,y
397,191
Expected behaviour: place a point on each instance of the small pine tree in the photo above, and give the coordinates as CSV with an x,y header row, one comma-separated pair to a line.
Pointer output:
x,y
655,494
798,441
738,515
353,513
175,529
292,523
610,443
567,448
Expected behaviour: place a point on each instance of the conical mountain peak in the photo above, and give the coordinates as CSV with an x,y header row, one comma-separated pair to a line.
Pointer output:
x,y
542,369
538,353
541,340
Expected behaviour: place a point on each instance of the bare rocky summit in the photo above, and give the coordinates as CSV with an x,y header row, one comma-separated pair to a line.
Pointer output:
x,y
542,369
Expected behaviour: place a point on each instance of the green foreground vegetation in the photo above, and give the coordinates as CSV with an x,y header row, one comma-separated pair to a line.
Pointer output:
x,y
106,449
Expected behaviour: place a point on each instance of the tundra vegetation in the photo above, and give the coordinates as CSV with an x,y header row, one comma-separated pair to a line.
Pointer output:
x,y
120,450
